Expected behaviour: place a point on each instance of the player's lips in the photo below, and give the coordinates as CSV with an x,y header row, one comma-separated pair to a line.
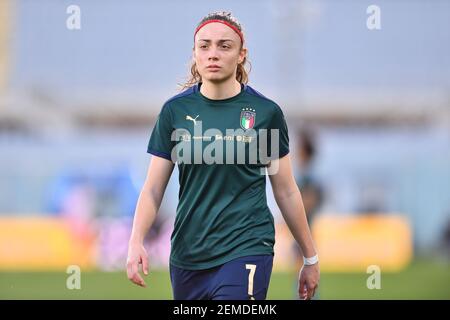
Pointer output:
x,y
213,67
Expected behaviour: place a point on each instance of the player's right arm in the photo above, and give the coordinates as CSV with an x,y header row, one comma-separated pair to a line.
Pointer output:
x,y
150,198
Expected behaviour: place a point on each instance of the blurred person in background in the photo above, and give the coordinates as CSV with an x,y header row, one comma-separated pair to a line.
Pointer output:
x,y
308,183
223,238
307,180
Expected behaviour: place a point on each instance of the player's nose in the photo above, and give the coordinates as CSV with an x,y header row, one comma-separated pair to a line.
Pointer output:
x,y
213,54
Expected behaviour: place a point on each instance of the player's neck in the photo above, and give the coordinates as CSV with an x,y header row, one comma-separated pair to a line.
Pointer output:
x,y
220,91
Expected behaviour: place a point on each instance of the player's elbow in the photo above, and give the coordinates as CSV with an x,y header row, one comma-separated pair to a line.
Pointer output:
x,y
153,191
285,192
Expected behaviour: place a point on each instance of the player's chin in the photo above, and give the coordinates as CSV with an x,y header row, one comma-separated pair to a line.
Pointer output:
x,y
216,77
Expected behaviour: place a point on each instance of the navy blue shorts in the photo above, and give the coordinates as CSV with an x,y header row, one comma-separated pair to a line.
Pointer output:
x,y
245,278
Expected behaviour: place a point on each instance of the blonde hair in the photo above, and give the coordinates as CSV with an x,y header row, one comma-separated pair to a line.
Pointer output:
x,y
241,72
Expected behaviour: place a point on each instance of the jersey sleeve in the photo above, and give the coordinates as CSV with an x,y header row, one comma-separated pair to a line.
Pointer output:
x,y
279,122
160,143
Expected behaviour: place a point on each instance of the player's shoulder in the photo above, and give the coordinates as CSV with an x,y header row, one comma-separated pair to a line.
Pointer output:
x,y
262,98
178,97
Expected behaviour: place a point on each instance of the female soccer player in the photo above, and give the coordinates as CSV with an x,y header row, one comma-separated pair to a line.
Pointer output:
x,y
223,238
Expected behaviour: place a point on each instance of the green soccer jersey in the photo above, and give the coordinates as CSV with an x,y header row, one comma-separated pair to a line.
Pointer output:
x,y
219,148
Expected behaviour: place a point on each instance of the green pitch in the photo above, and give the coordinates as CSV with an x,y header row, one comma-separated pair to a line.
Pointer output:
x,y
422,280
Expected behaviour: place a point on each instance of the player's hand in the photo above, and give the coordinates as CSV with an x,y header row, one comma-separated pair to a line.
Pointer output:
x,y
137,255
308,281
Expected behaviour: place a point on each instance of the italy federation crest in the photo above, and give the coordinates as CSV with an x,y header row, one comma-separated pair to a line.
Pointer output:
x,y
248,116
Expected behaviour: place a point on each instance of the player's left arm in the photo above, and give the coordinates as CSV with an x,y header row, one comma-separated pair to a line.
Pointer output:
x,y
289,200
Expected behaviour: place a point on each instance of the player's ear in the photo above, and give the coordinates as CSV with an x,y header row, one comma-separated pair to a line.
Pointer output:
x,y
242,55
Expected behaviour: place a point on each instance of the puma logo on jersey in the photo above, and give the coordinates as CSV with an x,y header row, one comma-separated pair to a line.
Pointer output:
x,y
190,118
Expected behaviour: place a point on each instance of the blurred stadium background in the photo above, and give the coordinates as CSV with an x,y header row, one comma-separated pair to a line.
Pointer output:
x,y
370,107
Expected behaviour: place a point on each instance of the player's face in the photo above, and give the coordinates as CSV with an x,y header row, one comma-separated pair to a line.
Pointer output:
x,y
217,52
